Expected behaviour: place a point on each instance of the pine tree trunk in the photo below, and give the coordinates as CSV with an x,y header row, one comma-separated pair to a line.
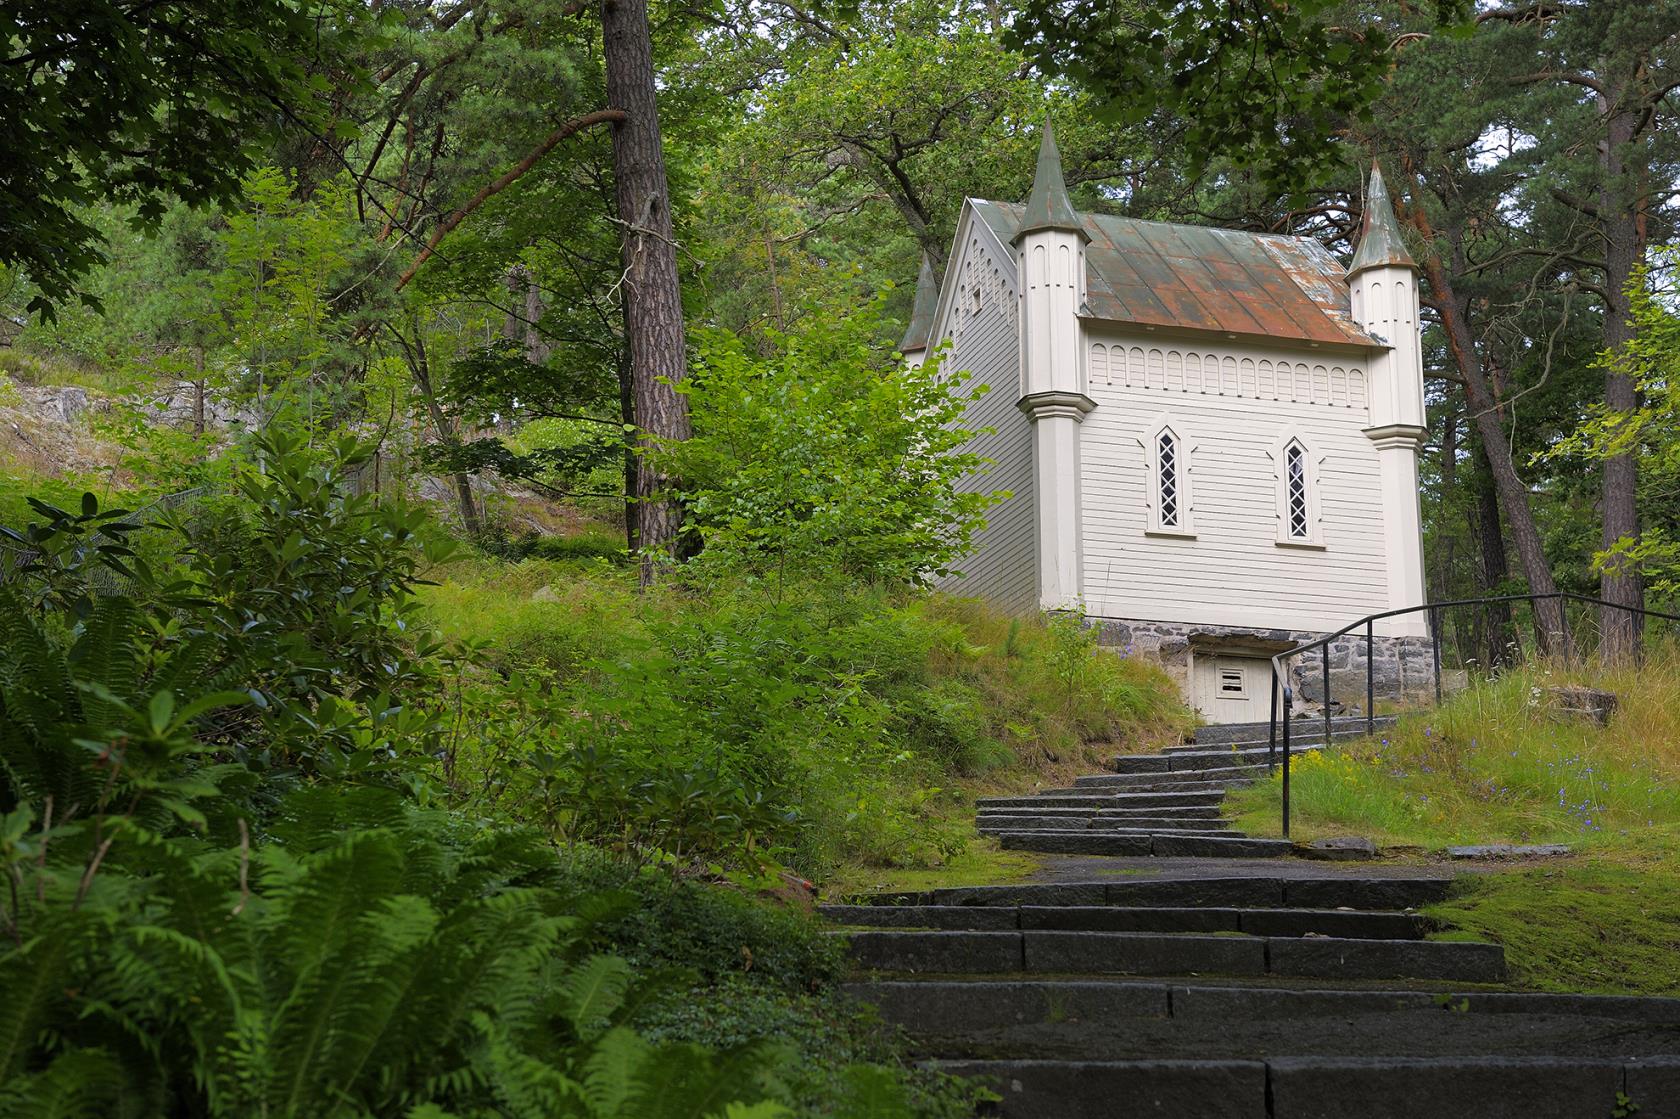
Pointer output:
x,y
1484,413
653,314
1623,248
1498,632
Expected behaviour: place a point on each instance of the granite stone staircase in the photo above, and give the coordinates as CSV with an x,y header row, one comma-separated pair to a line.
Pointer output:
x,y
1309,994
1202,984
1165,804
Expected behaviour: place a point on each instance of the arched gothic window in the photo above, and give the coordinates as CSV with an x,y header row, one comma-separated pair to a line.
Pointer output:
x,y
1297,517
1298,511
1169,500
1166,477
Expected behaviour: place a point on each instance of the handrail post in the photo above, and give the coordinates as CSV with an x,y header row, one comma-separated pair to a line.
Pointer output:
x,y
1370,678
1324,655
1271,729
1435,646
1288,702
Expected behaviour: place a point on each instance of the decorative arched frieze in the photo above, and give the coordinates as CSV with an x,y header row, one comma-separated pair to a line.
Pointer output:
x,y
1114,364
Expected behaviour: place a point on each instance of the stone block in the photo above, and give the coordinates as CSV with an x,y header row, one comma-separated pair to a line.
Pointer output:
x,y
1075,843
1340,958
1333,922
1169,846
1510,851
1100,953
1190,892
973,918
1578,703
1339,848
1409,1088
1119,918
961,1009
1049,893
1109,1090
1364,893
1653,1084
1228,1004
946,953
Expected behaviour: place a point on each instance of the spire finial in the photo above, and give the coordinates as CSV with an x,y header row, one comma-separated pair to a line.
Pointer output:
x,y
1380,243
1049,207
922,311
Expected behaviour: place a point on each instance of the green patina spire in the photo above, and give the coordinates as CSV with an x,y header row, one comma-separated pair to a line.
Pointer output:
x,y
921,314
1049,207
1380,244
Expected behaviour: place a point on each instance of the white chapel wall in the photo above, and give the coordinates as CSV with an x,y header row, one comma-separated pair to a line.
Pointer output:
x,y
979,315
1233,406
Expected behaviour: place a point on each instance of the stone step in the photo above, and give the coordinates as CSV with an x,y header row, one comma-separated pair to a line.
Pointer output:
x,y
1179,759
1184,781
1196,799
1191,761
1258,891
1190,783
1115,918
1045,951
1119,828
1298,743
962,1008
1181,812
1158,844
1352,725
987,822
1129,1019
1553,1087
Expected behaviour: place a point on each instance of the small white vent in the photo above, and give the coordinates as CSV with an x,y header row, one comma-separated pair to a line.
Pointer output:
x,y
1231,681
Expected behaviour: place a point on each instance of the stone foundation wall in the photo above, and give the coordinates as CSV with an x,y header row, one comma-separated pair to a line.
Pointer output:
x,y
1404,666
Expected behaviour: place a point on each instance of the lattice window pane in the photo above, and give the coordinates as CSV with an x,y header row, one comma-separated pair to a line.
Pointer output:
x,y
1166,457
1295,460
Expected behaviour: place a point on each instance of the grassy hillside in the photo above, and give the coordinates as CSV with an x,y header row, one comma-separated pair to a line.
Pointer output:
x,y
1498,764
865,720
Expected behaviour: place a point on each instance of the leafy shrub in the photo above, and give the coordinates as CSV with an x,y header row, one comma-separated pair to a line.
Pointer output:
x,y
729,726
188,932
829,456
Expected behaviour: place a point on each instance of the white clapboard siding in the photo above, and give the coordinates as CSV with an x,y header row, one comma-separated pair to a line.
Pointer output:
x,y
977,313
1232,408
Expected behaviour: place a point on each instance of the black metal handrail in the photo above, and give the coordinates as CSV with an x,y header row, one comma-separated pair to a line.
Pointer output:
x,y
1280,672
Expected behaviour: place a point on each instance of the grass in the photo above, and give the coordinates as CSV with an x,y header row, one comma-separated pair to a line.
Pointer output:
x,y
1608,924
1497,764
982,863
882,714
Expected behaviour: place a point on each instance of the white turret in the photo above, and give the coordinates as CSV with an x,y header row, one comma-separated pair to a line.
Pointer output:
x,y
1050,242
1382,282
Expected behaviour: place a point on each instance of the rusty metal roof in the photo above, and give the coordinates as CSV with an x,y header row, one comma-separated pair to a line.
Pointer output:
x,y
1191,277
1380,243
1049,207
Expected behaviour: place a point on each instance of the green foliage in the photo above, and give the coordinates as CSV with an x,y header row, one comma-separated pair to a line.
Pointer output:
x,y
140,104
1651,433
828,456
345,968
189,929
828,727
1264,85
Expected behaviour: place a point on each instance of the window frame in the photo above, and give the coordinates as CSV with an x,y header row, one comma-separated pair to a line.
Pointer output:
x,y
1311,484
1183,526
